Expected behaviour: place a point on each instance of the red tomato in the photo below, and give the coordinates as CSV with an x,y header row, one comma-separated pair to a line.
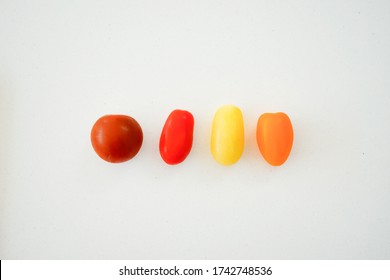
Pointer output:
x,y
176,137
116,138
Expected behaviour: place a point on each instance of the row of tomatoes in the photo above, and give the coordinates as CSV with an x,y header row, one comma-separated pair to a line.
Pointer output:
x,y
118,138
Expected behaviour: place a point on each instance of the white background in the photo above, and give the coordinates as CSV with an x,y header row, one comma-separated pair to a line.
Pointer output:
x,y
63,64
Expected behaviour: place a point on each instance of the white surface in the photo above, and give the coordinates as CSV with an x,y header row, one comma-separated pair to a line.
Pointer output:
x,y
63,64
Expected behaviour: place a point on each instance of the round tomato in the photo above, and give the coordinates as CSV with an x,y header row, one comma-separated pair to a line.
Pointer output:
x,y
116,138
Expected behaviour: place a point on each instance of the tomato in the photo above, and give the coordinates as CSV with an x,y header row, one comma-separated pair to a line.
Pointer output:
x,y
227,135
176,137
116,138
275,137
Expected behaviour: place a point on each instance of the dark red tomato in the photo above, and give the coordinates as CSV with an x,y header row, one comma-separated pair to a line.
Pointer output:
x,y
176,137
116,138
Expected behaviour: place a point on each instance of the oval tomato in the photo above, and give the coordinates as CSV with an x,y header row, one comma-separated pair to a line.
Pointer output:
x,y
275,137
227,135
116,138
176,137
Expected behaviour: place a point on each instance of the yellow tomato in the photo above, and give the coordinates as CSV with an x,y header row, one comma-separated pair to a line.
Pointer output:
x,y
227,135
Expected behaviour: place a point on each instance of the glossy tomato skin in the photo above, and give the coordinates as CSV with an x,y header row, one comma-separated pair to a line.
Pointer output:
x,y
227,135
116,138
275,137
176,137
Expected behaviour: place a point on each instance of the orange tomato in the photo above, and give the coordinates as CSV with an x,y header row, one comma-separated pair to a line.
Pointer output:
x,y
275,137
